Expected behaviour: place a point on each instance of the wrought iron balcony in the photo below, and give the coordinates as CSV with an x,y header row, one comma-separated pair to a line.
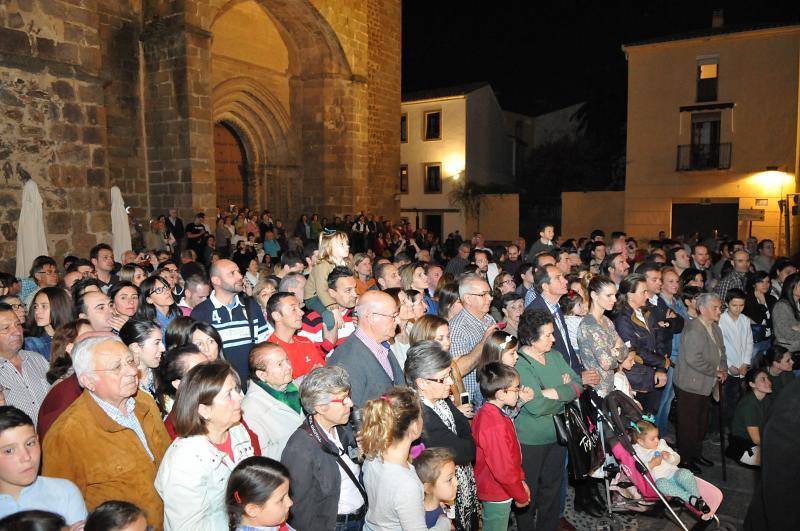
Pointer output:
x,y
695,157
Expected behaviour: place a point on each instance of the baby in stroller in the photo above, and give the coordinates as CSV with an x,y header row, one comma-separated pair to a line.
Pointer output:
x,y
662,461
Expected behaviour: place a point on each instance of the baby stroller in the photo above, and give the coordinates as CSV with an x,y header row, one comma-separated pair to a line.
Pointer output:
x,y
625,474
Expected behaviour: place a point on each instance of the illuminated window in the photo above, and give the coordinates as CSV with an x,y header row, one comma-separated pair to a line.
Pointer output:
x,y
403,128
433,178
433,125
707,76
403,179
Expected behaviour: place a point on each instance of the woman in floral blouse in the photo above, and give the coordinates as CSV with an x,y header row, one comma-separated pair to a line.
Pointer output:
x,y
601,348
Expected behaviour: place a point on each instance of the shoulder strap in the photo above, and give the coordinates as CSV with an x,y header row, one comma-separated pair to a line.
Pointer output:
x,y
312,431
245,302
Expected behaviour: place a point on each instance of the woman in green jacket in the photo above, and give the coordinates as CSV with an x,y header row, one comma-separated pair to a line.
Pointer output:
x,y
554,384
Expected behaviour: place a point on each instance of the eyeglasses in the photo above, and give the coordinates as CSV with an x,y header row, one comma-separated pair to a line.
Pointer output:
x,y
512,389
131,361
481,294
159,290
18,306
341,400
441,380
394,315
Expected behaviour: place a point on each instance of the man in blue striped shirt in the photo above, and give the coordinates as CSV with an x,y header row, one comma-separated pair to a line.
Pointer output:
x,y
239,320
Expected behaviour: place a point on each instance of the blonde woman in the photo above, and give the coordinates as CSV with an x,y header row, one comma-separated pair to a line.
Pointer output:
x,y
334,250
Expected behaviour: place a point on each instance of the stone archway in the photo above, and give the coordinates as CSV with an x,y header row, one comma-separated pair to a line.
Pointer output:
x,y
230,168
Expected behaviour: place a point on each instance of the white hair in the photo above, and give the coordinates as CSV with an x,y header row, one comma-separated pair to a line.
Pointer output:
x,y
466,282
83,354
704,299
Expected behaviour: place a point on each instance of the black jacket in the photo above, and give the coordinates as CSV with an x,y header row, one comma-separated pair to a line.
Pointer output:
x,y
435,433
316,480
658,314
642,341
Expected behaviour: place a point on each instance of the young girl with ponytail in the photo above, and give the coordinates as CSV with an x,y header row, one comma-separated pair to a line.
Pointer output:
x,y
390,424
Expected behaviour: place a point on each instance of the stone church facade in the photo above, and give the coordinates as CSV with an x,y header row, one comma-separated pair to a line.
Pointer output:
x,y
298,99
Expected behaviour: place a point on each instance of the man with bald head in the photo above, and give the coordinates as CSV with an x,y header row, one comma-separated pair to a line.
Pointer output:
x,y
365,354
111,440
240,322
737,277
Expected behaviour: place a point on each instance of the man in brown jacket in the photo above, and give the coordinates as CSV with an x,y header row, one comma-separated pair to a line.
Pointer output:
x,y
111,440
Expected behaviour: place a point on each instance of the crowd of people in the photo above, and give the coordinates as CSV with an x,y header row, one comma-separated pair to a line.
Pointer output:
x,y
358,374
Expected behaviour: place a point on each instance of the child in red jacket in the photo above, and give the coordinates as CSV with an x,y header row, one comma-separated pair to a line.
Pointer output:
x,y
498,462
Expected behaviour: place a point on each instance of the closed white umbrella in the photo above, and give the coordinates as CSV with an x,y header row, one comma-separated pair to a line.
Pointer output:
x,y
120,227
31,241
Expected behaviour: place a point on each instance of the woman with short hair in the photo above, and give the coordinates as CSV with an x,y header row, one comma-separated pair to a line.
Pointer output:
x,y
211,441
326,495
554,384
427,369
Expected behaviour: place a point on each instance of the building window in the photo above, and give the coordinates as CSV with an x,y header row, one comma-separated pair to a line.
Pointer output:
x,y
404,179
433,125
403,128
706,152
707,77
433,178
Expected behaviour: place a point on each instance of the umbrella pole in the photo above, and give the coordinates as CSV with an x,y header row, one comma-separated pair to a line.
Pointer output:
x,y
722,431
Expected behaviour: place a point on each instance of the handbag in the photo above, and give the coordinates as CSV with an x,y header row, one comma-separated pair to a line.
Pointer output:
x,y
573,433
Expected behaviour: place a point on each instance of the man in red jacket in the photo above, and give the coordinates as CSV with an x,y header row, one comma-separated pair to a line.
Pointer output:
x,y
498,458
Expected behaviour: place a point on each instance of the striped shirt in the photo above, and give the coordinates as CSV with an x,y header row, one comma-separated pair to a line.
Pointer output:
x,y
130,421
233,322
27,390
466,331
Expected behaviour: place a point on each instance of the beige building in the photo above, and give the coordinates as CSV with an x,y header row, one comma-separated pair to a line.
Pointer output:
x,y
713,133
452,137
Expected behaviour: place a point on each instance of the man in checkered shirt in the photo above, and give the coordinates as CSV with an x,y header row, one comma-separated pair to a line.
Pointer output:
x,y
469,325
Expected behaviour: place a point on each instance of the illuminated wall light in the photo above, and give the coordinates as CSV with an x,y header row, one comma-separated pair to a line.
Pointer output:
x,y
453,165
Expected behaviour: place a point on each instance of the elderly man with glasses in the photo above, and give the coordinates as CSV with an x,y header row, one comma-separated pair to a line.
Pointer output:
x,y
365,354
111,440
468,327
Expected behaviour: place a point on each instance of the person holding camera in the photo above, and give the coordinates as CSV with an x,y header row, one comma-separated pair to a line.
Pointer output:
x,y
322,457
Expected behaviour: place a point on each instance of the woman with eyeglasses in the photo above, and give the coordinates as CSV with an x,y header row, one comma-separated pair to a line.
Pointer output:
x,y
427,370
156,302
211,442
326,495
503,284
51,308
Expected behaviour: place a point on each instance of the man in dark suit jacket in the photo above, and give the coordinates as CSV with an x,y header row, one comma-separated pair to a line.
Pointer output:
x,y
551,284
365,354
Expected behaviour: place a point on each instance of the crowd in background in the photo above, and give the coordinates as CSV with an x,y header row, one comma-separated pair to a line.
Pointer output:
x,y
354,373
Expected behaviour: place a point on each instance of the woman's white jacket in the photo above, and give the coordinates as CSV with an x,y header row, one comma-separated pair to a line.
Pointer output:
x,y
192,479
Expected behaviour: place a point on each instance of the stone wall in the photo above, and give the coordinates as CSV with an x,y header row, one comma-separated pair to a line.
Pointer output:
x,y
96,93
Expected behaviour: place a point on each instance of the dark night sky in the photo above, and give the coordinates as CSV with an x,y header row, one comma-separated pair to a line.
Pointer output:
x,y
543,54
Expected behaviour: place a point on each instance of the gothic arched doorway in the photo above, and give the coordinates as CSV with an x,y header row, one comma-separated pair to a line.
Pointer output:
x,y
230,168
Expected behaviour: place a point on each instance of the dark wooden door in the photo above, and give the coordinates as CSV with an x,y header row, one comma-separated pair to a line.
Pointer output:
x,y
230,168
433,222
709,220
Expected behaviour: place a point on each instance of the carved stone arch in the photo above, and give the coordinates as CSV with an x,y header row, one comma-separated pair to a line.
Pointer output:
x,y
265,129
314,48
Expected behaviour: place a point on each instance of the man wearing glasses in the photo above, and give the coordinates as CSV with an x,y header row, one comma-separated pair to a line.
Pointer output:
x,y
365,354
111,441
468,327
44,273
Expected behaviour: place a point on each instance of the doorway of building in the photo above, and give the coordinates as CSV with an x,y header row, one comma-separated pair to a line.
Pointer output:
x,y
230,167
433,222
709,220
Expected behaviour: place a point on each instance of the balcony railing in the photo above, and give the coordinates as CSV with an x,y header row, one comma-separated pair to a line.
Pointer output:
x,y
695,157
